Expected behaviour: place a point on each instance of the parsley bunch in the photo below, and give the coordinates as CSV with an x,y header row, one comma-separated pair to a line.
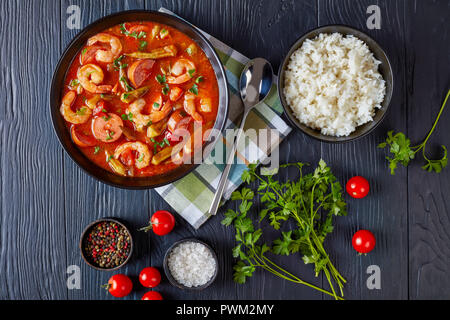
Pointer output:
x,y
311,202
403,153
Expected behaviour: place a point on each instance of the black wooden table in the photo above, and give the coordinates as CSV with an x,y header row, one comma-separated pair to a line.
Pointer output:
x,y
46,200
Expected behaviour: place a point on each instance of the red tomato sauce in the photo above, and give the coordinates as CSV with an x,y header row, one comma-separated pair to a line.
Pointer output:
x,y
202,83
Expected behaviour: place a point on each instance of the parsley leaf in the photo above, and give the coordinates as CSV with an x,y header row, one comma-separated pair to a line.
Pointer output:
x,y
191,72
142,45
128,116
199,79
160,78
194,89
165,90
402,151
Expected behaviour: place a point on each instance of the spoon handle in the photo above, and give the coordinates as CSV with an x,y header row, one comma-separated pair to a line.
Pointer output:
x,y
224,178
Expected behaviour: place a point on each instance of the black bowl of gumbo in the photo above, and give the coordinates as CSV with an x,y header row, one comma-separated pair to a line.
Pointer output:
x,y
106,244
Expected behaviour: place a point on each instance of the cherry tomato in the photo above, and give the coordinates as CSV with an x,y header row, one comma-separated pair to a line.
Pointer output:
x,y
119,285
363,241
357,187
150,277
152,295
162,222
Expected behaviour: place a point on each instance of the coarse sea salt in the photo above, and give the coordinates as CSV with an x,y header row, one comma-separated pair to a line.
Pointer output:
x,y
191,264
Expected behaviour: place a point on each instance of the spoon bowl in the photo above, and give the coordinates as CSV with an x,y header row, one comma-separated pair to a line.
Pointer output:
x,y
255,82
254,86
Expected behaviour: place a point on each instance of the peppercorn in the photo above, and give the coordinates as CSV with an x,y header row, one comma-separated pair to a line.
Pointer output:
x,y
107,245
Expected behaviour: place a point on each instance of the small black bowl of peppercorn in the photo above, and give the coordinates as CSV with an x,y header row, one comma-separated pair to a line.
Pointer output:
x,y
106,244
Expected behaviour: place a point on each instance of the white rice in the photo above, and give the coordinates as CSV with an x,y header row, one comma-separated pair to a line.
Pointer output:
x,y
332,84
191,264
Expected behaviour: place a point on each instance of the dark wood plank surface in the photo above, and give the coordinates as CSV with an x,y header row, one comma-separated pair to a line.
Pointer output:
x,y
46,200
427,81
384,212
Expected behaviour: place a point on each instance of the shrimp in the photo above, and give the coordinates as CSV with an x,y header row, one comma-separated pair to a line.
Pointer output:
x,y
104,55
182,71
145,155
81,116
189,107
142,120
90,76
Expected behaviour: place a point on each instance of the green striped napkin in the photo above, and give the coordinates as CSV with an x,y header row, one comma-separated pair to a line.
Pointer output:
x,y
192,196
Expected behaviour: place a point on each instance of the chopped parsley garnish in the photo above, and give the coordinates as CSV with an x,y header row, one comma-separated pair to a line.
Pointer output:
x,y
159,144
96,149
117,61
135,35
165,89
125,82
189,51
106,118
109,158
167,142
149,123
128,116
110,135
81,111
142,45
141,157
84,51
104,110
194,89
199,79
163,33
74,82
161,79
191,72
156,105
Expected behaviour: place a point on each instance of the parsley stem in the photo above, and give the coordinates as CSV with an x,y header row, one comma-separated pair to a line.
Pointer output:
x,y
438,116
293,278
422,145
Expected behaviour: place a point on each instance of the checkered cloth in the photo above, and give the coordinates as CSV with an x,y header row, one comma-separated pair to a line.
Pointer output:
x,y
192,195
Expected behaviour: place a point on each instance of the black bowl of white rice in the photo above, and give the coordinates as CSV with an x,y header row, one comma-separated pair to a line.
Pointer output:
x,y
335,84
190,264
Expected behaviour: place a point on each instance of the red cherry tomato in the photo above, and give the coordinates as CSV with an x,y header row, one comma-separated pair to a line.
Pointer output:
x,y
162,222
150,277
152,295
119,285
357,187
363,241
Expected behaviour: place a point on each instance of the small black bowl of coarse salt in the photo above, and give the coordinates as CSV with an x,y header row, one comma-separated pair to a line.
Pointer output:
x,y
106,244
191,264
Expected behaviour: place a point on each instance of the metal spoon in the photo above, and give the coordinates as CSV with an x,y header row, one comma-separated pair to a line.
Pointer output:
x,y
254,86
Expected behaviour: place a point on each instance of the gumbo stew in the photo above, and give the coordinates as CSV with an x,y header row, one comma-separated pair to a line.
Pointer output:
x,y
134,96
